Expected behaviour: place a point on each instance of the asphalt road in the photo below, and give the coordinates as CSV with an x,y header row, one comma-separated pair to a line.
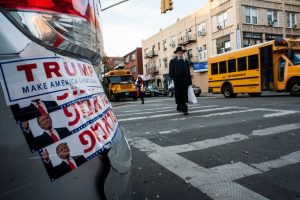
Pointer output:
x,y
233,149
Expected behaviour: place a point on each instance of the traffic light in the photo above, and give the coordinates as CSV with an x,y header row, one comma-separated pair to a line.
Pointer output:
x,y
163,6
169,5
166,5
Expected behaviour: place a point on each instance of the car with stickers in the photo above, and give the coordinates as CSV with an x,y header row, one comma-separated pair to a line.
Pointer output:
x,y
60,138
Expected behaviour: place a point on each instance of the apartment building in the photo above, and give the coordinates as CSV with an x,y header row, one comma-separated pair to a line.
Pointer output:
x,y
133,61
220,26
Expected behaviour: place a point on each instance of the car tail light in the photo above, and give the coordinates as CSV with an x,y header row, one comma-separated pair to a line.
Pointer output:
x,y
66,26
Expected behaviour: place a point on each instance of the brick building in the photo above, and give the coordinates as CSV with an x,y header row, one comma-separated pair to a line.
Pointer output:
x,y
133,61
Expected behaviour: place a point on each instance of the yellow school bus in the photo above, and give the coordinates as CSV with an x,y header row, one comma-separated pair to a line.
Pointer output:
x,y
118,84
269,66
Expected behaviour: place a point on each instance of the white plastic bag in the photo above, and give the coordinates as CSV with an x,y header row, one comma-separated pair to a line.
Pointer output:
x,y
191,96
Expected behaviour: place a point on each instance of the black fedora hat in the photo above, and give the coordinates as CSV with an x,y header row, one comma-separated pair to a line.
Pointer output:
x,y
179,49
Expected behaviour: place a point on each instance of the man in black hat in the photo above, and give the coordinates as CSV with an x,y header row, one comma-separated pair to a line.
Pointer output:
x,y
179,71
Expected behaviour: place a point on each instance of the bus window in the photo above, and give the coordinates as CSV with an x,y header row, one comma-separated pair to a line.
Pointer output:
x,y
242,64
223,67
119,79
281,66
253,62
296,58
232,65
214,68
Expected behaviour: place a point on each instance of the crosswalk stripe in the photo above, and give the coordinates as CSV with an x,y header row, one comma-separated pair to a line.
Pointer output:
x,y
174,114
289,159
276,129
150,109
236,170
240,170
204,144
159,111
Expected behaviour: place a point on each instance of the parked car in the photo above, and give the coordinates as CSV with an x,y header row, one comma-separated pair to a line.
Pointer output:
x,y
51,100
154,91
171,90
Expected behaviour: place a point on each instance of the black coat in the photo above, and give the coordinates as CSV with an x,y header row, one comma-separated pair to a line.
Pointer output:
x,y
41,141
179,71
31,112
63,167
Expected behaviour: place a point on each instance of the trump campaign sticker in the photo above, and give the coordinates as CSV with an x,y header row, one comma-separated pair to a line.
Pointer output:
x,y
61,108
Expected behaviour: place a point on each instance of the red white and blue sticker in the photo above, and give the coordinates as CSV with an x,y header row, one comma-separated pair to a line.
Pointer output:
x,y
61,108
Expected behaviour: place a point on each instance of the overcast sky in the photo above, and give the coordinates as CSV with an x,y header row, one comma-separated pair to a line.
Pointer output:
x,y
126,25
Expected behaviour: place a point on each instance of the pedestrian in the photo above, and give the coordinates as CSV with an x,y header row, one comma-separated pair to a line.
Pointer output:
x,y
140,88
179,71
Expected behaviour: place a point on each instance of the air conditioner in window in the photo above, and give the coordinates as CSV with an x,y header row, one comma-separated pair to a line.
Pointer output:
x,y
270,23
201,33
294,26
219,45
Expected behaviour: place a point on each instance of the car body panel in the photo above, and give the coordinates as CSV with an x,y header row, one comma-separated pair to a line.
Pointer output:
x,y
23,174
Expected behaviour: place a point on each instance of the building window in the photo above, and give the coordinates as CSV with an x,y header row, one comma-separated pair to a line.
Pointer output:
x,y
251,15
153,47
190,54
165,62
189,34
291,20
173,41
201,29
272,16
222,20
133,57
227,46
165,45
133,69
202,52
250,38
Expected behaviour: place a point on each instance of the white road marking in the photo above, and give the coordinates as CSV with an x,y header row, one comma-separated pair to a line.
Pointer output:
x,y
217,182
289,159
276,114
236,170
174,114
240,170
279,112
159,111
151,109
204,144
167,132
276,129
207,181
